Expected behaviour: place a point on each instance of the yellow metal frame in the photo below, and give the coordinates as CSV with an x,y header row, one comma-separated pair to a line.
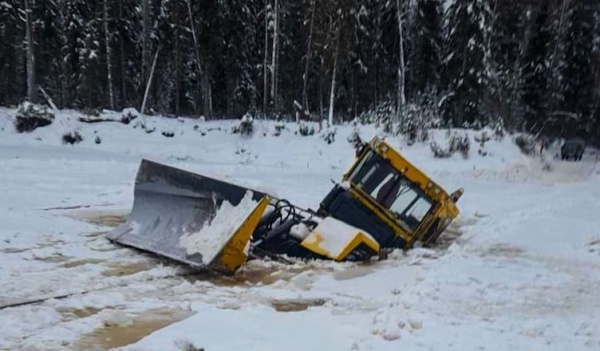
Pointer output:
x,y
234,255
444,206
314,239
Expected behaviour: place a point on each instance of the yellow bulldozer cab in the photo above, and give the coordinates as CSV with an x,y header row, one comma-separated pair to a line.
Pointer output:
x,y
404,197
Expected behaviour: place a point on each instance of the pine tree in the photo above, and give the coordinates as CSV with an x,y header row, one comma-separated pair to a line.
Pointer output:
x,y
465,62
534,72
12,88
424,61
578,79
506,39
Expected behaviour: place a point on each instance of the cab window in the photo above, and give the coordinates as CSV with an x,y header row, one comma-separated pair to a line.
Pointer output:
x,y
376,177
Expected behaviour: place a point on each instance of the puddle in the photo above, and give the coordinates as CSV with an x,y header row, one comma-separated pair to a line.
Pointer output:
x,y
14,250
95,234
76,313
503,250
296,305
77,263
52,259
117,335
120,269
107,220
101,218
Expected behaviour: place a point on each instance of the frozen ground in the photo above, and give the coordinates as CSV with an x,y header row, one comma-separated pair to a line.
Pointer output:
x,y
523,274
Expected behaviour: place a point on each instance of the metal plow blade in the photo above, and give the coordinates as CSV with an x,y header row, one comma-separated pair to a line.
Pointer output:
x,y
197,220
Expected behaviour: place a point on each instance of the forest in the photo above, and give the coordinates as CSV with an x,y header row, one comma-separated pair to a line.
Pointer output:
x,y
531,65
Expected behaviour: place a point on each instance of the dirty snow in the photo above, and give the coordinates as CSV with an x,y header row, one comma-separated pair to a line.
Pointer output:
x,y
216,232
522,274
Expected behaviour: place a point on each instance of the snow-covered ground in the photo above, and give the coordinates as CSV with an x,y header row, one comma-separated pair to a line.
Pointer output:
x,y
523,273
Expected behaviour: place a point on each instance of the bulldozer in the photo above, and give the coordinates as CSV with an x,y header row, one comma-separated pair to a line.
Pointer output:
x,y
382,203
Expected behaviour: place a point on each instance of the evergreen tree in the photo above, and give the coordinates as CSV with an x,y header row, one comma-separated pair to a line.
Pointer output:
x,y
424,60
534,72
578,79
506,43
465,62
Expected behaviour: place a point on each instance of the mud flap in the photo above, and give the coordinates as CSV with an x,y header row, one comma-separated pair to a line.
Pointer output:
x,y
203,222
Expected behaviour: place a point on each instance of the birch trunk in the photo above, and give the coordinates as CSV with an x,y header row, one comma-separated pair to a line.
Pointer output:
x,y
145,30
149,83
401,69
111,94
333,77
124,101
275,55
308,57
31,91
177,59
266,62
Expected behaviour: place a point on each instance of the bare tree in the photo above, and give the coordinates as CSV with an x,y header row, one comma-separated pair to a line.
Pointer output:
x,y
401,98
124,101
266,61
275,55
149,83
111,94
308,57
31,91
145,33
334,74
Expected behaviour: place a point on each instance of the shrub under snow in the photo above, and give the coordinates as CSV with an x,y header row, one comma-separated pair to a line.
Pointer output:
x,y
31,116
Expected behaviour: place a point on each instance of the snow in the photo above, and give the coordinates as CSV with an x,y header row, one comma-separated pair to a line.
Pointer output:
x,y
215,233
332,236
522,273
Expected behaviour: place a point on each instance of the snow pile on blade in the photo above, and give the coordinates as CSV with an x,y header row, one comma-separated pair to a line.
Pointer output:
x,y
210,240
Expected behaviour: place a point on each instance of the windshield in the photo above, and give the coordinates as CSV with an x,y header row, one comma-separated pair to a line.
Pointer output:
x,y
376,177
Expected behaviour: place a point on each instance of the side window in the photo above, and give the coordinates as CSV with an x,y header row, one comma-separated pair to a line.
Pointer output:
x,y
410,206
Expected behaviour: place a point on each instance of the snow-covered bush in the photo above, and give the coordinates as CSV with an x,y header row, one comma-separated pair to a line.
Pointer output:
x,y
499,131
378,114
246,124
72,137
128,115
438,151
329,135
462,145
355,138
168,133
186,345
456,143
526,143
417,119
94,112
31,116
278,129
305,130
245,127
482,139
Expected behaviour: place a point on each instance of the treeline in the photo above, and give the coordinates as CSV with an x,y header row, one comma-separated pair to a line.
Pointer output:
x,y
534,64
